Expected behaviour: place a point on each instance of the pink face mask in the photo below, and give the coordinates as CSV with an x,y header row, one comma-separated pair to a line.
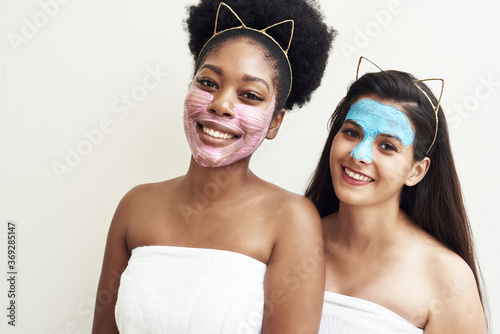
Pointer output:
x,y
239,136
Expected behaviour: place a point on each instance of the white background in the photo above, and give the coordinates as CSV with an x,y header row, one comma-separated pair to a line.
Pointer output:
x,y
66,70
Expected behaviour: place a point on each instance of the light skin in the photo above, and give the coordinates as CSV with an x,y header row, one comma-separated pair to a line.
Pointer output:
x,y
373,251
245,215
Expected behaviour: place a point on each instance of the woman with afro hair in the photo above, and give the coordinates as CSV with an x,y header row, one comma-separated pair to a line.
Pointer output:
x,y
219,250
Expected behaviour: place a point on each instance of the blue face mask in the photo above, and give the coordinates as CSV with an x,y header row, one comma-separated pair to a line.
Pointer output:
x,y
374,118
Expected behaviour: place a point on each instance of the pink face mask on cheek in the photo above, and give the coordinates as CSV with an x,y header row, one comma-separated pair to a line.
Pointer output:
x,y
250,123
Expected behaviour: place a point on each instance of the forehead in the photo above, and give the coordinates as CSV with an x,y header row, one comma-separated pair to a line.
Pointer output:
x,y
239,55
377,117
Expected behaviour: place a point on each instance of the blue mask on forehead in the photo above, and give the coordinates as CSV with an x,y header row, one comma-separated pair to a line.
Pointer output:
x,y
375,117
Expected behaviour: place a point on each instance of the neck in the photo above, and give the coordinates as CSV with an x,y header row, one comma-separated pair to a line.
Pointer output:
x,y
218,184
369,228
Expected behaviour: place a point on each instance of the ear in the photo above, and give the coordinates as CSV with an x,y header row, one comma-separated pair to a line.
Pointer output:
x,y
418,171
275,124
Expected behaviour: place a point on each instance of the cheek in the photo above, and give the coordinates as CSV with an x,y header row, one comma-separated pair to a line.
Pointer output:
x,y
405,163
341,147
337,150
396,167
196,101
333,150
254,121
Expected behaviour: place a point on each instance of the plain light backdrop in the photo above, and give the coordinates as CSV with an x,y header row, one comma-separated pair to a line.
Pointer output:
x,y
92,95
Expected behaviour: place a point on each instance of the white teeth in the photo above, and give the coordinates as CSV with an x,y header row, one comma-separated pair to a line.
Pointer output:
x,y
216,134
357,176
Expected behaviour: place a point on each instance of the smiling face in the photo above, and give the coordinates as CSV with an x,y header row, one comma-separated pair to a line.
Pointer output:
x,y
229,107
375,119
371,157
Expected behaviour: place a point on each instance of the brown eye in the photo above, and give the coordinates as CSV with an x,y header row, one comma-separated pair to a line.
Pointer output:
x,y
206,82
252,96
387,147
351,133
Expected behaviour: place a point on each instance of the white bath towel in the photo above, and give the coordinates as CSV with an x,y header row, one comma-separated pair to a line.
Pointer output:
x,y
175,290
348,315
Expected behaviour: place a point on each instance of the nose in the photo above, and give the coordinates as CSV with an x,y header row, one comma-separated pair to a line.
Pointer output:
x,y
222,104
363,151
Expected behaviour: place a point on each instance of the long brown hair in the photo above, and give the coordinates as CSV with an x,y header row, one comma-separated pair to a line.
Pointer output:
x,y
435,204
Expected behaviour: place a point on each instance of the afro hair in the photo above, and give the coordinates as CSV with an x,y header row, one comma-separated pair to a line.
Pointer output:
x,y
311,43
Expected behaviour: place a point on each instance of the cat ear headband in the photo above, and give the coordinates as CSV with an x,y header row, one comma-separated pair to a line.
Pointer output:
x,y
261,31
435,107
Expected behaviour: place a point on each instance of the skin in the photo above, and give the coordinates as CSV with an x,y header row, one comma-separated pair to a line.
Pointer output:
x,y
246,215
373,250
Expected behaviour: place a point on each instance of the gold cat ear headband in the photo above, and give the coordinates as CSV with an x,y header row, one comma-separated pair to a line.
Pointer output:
x,y
262,31
435,107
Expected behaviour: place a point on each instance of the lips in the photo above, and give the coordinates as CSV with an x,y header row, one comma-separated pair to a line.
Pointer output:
x,y
355,178
217,131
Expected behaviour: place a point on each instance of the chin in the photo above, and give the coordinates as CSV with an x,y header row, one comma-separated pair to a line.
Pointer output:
x,y
353,198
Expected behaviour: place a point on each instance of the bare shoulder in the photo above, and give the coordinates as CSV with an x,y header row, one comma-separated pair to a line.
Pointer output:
x,y
297,207
135,208
148,190
451,275
443,268
293,223
144,196
446,268
288,202
455,305
294,210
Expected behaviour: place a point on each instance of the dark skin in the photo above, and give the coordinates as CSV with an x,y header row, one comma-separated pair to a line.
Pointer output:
x,y
244,214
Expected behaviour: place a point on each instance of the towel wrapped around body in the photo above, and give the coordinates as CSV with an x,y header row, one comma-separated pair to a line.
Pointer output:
x,y
168,289
349,315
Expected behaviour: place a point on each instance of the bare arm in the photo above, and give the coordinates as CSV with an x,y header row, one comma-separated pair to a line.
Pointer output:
x,y
456,307
116,257
295,277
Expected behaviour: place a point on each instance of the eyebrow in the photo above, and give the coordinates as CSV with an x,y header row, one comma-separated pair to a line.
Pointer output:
x,y
353,122
216,69
386,135
246,77
391,136
249,78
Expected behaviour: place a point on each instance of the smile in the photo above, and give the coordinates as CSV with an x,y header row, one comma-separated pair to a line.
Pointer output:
x,y
357,176
217,134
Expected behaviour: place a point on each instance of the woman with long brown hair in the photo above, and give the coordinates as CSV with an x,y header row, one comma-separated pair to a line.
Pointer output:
x,y
398,244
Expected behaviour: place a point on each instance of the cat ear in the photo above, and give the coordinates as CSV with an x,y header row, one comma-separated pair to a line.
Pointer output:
x,y
436,107
359,64
232,11
264,31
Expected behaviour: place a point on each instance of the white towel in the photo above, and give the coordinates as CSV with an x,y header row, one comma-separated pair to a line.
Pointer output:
x,y
348,315
175,290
